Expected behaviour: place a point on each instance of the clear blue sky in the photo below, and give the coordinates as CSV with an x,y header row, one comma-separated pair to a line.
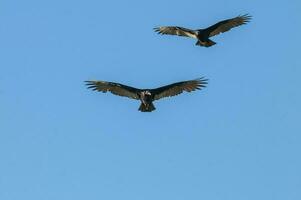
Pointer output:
x,y
238,139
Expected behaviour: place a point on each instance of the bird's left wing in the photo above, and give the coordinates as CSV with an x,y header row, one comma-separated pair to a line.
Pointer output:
x,y
228,24
115,88
176,30
178,88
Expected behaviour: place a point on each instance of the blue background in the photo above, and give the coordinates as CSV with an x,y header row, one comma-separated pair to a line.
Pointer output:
x,y
238,139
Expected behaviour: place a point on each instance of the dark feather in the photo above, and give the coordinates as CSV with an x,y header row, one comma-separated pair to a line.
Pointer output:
x,y
178,88
176,30
115,88
228,24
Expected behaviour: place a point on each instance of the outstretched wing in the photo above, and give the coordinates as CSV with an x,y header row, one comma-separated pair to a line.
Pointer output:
x,y
115,88
178,88
176,30
228,24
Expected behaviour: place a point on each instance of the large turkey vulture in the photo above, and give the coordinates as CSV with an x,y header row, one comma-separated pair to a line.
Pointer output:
x,y
147,96
203,35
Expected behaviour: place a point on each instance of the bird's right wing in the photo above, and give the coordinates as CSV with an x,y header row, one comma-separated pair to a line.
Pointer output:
x,y
178,88
176,30
228,24
115,88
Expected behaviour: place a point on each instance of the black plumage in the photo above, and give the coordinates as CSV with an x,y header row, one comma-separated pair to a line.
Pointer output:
x,y
203,35
147,96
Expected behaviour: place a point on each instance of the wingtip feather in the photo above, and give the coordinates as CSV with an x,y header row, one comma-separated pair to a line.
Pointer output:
x,y
202,83
246,17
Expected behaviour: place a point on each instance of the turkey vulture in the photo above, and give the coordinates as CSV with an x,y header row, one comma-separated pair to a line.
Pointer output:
x,y
203,35
147,96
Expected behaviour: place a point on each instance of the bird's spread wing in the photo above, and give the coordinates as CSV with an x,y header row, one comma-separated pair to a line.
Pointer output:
x,y
115,88
178,88
228,24
175,30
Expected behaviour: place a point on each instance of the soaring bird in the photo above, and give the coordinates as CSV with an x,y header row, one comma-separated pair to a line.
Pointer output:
x,y
203,35
147,96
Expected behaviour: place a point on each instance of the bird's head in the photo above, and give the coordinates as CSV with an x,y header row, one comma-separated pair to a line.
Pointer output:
x,y
147,93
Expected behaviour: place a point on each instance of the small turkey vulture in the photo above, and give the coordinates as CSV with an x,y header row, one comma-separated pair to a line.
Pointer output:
x,y
147,96
203,35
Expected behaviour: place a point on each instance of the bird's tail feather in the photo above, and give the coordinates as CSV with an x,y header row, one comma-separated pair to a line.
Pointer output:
x,y
207,43
147,108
